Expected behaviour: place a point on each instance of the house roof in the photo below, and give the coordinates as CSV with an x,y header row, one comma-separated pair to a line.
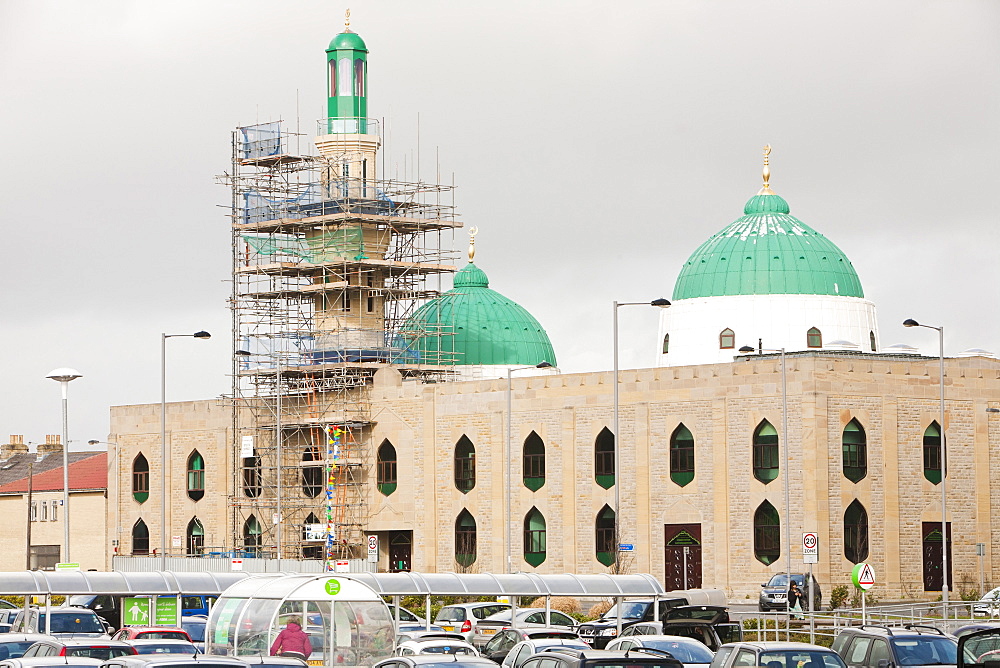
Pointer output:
x,y
87,470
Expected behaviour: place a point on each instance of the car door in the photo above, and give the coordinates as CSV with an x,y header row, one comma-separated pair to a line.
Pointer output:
x,y
879,652
745,657
720,657
856,655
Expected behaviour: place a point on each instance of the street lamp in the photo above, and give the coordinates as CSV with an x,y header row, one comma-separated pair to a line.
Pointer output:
x,y
163,438
541,365
662,303
62,376
909,322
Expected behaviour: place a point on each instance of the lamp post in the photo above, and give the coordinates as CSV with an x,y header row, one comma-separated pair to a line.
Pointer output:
x,y
63,376
163,438
507,514
909,322
662,303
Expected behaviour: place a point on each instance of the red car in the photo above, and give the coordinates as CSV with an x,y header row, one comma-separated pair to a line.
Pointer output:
x,y
152,633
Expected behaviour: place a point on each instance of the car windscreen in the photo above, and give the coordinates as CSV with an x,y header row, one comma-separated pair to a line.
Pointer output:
x,y
800,659
569,635
447,649
685,652
72,622
629,610
102,653
781,579
14,649
925,650
162,635
631,662
165,648
81,600
450,664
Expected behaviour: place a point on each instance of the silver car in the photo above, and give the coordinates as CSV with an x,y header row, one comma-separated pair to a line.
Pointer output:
x,y
463,618
525,649
690,652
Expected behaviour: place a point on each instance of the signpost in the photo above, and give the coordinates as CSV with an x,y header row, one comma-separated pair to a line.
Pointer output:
x,y
863,577
373,549
342,566
810,556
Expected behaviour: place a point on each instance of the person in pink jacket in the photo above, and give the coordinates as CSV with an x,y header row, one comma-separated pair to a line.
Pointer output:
x,y
292,641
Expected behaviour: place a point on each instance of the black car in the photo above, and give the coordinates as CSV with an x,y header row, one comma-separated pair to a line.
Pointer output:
x,y
63,623
872,646
708,624
602,631
595,658
774,592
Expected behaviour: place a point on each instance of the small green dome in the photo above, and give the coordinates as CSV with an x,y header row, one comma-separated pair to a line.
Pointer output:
x,y
347,40
477,326
767,252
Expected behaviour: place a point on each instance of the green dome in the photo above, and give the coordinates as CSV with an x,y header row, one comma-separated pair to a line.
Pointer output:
x,y
347,40
478,326
767,252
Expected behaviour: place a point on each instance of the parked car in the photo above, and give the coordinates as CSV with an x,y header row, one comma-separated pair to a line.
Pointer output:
x,y
911,645
52,662
989,604
272,661
776,654
524,618
151,646
64,622
13,645
590,658
405,616
692,653
520,652
178,661
436,661
500,644
600,632
981,648
195,626
979,626
435,646
152,633
415,631
7,616
774,592
91,648
709,624
462,618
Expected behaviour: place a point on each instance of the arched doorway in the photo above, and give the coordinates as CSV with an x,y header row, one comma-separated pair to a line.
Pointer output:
x,y
682,553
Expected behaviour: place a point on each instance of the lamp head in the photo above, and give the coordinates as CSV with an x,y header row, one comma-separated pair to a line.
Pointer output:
x,y
202,335
543,365
910,322
661,302
243,353
747,349
64,374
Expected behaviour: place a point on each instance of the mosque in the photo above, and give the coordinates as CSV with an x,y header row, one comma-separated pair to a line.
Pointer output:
x,y
368,402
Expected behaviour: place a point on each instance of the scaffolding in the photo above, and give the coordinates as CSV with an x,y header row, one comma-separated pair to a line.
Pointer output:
x,y
327,266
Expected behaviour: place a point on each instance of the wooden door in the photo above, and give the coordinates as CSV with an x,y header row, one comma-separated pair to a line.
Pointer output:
x,y
678,538
400,551
933,556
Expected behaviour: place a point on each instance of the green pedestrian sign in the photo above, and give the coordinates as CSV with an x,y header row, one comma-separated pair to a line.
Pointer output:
x,y
135,612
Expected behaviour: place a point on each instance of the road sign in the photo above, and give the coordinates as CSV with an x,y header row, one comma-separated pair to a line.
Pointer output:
x,y
626,547
67,566
343,566
810,548
863,576
135,612
236,565
373,549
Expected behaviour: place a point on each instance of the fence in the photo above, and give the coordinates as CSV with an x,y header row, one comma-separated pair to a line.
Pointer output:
x,y
226,564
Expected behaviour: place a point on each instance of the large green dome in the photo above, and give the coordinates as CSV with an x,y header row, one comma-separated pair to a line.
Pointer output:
x,y
478,326
767,252
347,40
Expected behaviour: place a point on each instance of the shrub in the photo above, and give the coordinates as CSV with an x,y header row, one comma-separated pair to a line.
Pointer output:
x,y
599,609
838,596
566,604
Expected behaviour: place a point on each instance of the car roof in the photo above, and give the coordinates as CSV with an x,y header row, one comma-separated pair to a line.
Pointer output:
x,y
21,637
44,661
777,645
897,631
443,658
86,642
181,659
664,637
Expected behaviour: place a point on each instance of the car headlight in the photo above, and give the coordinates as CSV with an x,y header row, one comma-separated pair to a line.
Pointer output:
x,y
609,632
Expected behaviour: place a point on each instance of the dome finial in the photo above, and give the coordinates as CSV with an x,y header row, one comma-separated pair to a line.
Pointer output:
x,y
347,20
473,231
766,190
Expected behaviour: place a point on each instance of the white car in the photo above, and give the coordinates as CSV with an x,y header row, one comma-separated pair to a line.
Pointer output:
x,y
435,646
690,652
989,604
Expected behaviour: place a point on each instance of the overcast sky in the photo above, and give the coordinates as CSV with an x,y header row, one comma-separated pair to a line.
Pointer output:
x,y
594,144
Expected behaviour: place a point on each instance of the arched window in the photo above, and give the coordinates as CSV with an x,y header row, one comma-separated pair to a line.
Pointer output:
x,y
766,534
814,338
855,451
309,527
534,537
465,465
932,453
359,77
251,535
871,339
727,339
666,344
140,538
344,83
386,468
251,477
765,452
195,537
604,459
312,476
140,478
465,538
605,537
534,462
196,476
333,79
856,533
682,455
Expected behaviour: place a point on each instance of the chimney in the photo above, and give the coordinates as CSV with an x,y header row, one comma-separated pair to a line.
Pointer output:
x,y
53,443
16,446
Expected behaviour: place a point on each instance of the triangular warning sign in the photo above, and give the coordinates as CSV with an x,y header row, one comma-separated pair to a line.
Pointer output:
x,y
866,576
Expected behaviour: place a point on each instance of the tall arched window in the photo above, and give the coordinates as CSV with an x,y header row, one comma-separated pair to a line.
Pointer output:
x,y
727,339
765,452
465,538
856,533
251,477
871,339
932,453
312,476
140,478
196,476
814,338
604,459
465,465
534,537
766,534
251,535
534,462
359,77
309,527
666,343
386,468
682,455
195,535
344,83
855,451
140,538
605,537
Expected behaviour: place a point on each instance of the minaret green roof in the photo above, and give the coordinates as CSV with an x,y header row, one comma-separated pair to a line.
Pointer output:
x,y
767,252
478,326
347,40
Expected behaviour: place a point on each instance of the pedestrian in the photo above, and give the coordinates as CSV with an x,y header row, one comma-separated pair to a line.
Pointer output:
x,y
794,600
292,641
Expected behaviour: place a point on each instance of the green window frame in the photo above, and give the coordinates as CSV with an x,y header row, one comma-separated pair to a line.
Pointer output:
x,y
766,534
932,453
814,338
465,465
196,476
604,459
386,468
534,537
140,478
140,538
856,532
765,452
855,451
465,539
666,343
252,535
605,536
195,537
533,460
682,455
727,339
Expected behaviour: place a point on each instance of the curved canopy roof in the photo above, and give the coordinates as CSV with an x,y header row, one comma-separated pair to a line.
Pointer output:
x,y
115,582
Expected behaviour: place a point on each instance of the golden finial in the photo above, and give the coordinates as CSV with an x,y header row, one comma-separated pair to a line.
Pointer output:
x,y
473,231
766,190
347,20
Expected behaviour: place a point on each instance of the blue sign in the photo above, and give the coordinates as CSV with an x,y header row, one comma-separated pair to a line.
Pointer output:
x,y
626,547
